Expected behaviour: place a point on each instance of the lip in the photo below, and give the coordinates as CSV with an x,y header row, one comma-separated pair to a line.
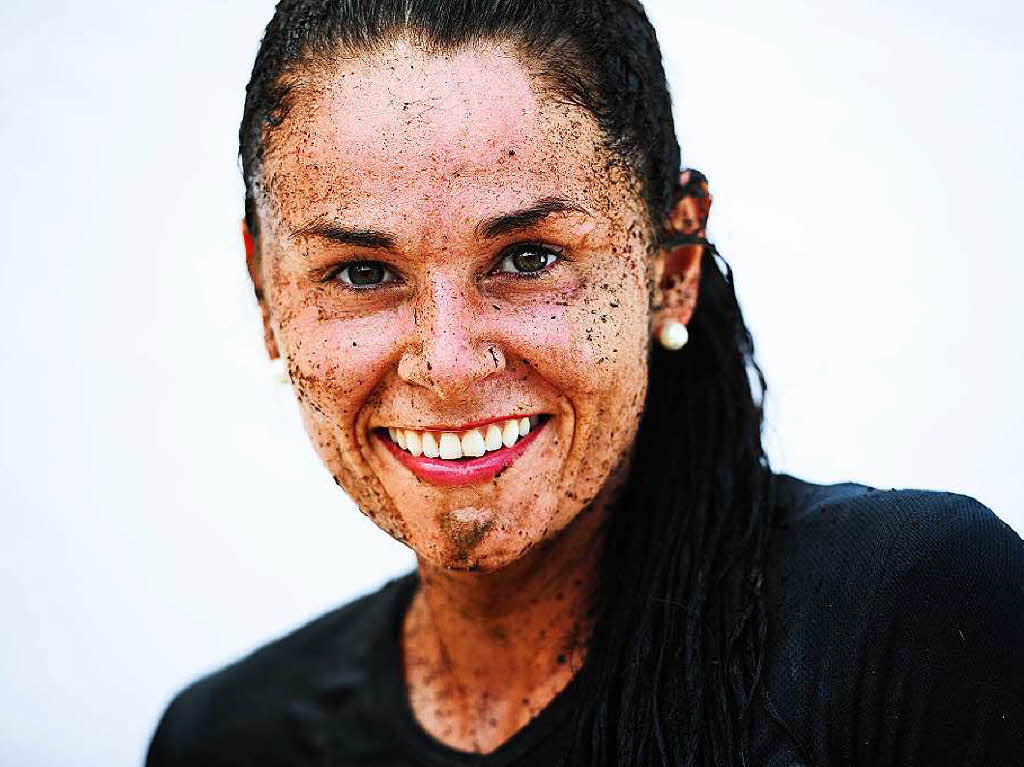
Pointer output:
x,y
449,473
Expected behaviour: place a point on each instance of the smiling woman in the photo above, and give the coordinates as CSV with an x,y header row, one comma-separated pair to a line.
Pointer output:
x,y
460,271
514,348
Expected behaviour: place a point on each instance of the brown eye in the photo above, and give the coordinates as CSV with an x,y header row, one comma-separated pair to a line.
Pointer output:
x,y
527,260
364,274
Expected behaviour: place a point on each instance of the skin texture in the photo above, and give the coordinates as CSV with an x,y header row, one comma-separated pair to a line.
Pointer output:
x,y
426,148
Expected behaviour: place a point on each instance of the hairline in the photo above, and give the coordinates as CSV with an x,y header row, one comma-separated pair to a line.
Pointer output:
x,y
292,80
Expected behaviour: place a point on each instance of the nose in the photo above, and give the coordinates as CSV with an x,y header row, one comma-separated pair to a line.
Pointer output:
x,y
449,352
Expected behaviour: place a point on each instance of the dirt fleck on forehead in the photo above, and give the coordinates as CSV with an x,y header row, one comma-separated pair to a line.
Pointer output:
x,y
367,127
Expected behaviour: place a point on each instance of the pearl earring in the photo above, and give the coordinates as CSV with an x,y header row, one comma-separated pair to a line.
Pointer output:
x,y
673,335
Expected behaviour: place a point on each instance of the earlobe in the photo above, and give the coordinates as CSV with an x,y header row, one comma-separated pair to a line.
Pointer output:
x,y
254,265
679,259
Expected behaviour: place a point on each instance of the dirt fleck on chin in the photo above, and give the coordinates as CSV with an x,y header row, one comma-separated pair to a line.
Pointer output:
x,y
464,534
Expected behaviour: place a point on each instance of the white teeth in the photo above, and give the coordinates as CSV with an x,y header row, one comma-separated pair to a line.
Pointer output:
x,y
510,432
430,445
412,442
450,447
473,444
493,439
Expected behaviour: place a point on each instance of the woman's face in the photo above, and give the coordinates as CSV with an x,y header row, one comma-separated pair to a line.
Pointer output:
x,y
444,252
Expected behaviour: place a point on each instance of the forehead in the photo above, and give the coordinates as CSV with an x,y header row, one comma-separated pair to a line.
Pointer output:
x,y
463,134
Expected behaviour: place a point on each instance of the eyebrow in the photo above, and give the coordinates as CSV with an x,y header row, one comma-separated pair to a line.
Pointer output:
x,y
526,217
362,238
488,228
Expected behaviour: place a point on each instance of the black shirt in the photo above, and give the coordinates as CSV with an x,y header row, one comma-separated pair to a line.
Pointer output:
x,y
895,637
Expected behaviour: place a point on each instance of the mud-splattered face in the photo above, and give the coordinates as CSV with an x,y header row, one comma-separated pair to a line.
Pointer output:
x,y
445,250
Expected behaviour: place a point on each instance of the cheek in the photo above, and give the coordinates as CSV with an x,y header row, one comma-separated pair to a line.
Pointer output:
x,y
594,340
337,362
335,365
608,383
591,346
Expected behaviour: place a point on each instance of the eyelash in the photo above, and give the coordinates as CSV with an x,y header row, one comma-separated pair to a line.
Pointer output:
x,y
333,275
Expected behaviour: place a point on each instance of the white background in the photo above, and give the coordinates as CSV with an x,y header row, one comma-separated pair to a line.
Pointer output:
x,y
162,511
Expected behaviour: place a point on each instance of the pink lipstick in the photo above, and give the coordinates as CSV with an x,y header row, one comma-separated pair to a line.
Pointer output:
x,y
462,471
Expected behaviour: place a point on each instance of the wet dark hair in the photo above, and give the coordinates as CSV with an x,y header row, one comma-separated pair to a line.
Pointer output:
x,y
602,56
675,659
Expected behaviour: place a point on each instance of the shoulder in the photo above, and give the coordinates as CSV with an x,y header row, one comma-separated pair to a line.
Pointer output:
x,y
890,609
268,706
854,538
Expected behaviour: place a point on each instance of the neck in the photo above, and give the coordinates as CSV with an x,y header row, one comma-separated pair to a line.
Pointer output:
x,y
485,652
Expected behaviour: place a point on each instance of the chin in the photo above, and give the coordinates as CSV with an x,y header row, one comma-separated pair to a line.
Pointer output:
x,y
486,558
481,540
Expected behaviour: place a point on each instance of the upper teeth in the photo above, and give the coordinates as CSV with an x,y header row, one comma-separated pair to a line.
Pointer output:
x,y
471,443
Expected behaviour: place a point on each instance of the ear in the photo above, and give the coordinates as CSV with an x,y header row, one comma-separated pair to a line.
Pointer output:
x,y
254,263
677,262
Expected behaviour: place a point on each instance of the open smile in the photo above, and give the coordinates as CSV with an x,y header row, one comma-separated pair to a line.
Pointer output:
x,y
464,457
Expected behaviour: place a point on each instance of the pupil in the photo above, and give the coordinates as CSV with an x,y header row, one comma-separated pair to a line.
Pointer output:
x,y
530,261
365,274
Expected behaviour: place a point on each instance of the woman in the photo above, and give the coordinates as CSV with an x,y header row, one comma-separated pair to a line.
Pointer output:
x,y
514,348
